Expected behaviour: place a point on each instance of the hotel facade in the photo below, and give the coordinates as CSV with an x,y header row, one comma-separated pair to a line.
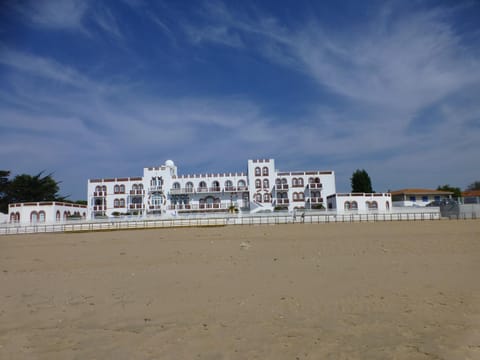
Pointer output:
x,y
162,190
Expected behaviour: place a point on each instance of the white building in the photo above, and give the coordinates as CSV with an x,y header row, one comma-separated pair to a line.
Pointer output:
x,y
45,212
162,190
360,202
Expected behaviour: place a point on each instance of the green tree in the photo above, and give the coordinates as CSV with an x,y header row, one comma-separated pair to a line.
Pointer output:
x,y
26,188
361,182
456,191
474,186
4,174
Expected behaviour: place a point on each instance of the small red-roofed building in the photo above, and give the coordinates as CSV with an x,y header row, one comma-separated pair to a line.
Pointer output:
x,y
419,197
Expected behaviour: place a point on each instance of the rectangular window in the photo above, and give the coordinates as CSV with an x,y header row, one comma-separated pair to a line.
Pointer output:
x,y
424,198
413,199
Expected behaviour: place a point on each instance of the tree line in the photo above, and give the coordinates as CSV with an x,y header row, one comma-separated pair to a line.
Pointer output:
x,y
361,183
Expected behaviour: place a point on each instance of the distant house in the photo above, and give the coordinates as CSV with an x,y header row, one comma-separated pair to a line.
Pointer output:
x,y
418,197
359,202
471,197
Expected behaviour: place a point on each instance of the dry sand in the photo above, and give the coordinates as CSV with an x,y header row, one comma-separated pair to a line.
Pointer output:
x,y
396,290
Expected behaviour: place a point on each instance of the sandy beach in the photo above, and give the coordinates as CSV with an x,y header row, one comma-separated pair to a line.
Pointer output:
x,y
391,290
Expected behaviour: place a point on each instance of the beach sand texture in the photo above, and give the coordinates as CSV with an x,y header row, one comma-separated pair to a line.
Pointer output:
x,y
386,290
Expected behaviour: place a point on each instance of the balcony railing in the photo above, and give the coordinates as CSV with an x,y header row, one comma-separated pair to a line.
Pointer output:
x,y
198,206
316,200
283,201
298,185
209,190
315,185
281,186
137,192
135,206
99,193
155,188
99,208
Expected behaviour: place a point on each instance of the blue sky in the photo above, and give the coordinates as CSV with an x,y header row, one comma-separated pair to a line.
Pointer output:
x,y
94,89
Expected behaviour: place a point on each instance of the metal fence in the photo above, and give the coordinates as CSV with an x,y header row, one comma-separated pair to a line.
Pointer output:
x,y
216,220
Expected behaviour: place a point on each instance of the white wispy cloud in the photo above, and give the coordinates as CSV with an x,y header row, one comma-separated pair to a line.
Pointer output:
x,y
43,67
107,21
54,14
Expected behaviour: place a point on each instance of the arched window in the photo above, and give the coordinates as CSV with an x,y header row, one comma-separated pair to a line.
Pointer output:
x,y
189,186
134,187
202,186
58,216
346,205
258,197
65,215
122,203
284,181
317,180
241,184
266,198
257,171
116,189
228,185
176,185
301,196
265,171
294,182
266,184
374,205
12,217
367,204
278,181
33,217
84,215
122,189
215,186
295,196
258,184
140,186
354,205
104,188
41,216
311,180
18,217
387,205
98,188
116,203
300,182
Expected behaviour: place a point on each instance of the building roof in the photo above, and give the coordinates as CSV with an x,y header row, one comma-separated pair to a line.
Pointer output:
x,y
470,193
415,191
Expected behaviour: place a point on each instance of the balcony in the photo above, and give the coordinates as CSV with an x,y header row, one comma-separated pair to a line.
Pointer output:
x,y
213,189
182,191
280,187
135,206
137,192
99,193
242,188
315,185
199,207
99,208
155,188
316,200
283,201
